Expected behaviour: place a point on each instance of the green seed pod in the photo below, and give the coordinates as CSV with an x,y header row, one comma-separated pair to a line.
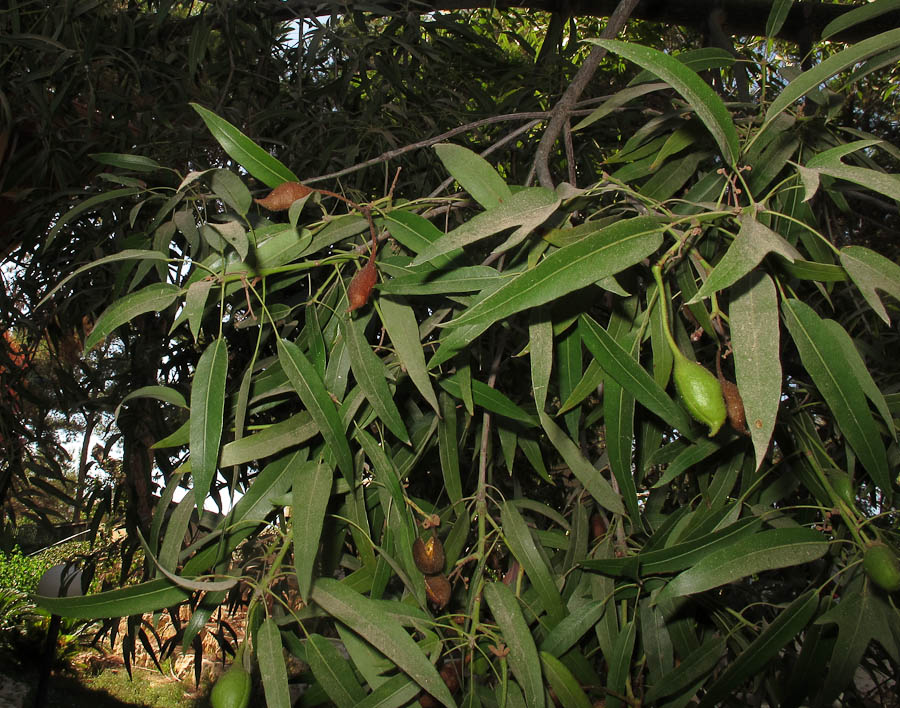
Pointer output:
x,y
232,690
700,391
882,567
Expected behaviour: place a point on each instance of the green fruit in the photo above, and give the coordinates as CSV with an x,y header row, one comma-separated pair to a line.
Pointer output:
x,y
700,391
882,567
232,690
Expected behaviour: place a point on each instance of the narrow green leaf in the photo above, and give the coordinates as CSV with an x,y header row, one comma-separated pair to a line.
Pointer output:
x,y
857,367
526,210
767,550
207,409
271,665
833,65
88,205
153,298
431,282
448,448
540,347
871,272
777,15
693,667
750,246
863,13
616,362
701,97
396,691
400,322
333,672
656,641
474,174
233,234
244,151
618,417
292,431
159,393
569,631
521,543
195,304
416,233
827,365
594,482
567,689
783,629
309,386
134,600
371,376
126,255
755,338
311,492
486,397
384,634
620,665
134,163
617,100
523,655
230,188
678,556
605,252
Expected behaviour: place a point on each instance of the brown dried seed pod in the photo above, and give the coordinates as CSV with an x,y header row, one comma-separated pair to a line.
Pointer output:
x,y
450,672
284,195
360,288
734,406
429,555
438,590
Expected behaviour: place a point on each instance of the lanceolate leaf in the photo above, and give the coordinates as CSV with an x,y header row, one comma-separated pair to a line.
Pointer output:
x,y
526,210
122,602
311,491
308,385
863,13
152,298
872,272
131,254
474,174
244,151
521,543
604,252
271,665
207,408
333,672
833,65
523,655
400,323
371,376
616,362
701,97
383,633
763,649
564,684
755,335
777,15
750,246
593,481
676,557
695,666
767,550
827,365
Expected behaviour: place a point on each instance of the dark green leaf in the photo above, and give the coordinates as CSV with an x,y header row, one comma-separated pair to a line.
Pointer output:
x,y
207,408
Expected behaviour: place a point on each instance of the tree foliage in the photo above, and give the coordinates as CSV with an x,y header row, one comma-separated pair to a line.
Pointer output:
x,y
506,386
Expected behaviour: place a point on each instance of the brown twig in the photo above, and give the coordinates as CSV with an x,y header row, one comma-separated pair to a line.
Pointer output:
x,y
562,110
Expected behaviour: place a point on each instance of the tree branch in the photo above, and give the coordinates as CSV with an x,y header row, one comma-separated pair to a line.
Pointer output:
x,y
560,114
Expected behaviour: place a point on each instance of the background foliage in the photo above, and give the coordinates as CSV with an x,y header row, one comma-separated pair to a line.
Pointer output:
x,y
506,388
